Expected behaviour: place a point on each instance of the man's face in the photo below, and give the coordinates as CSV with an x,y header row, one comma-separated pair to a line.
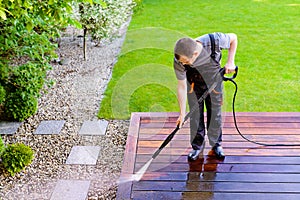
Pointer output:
x,y
184,60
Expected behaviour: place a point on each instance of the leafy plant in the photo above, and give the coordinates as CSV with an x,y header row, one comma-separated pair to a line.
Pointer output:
x,y
102,21
16,157
2,94
2,146
20,105
138,6
23,88
26,49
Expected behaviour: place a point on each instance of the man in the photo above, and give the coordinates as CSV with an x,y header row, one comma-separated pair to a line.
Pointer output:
x,y
197,66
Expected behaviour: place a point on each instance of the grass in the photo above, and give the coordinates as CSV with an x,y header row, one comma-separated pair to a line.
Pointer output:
x,y
268,53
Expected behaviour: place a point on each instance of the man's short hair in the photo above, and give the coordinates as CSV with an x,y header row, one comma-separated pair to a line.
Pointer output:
x,y
185,47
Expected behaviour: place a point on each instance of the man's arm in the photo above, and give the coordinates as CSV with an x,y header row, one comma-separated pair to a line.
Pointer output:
x,y
181,97
230,66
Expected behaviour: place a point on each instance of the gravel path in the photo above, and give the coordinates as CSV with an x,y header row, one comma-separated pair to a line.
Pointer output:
x,y
75,98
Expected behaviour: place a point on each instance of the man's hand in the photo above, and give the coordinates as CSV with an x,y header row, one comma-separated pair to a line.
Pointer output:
x,y
180,120
229,68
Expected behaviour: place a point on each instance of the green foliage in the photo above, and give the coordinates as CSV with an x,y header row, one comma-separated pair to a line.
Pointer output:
x,y
16,157
23,87
26,50
2,94
2,146
103,21
26,82
20,105
138,6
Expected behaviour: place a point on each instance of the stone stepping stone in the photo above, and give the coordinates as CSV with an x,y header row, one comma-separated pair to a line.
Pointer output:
x,y
50,127
93,127
83,155
71,190
9,128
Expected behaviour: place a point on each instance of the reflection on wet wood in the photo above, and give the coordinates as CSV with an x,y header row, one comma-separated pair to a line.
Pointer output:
x,y
163,195
249,171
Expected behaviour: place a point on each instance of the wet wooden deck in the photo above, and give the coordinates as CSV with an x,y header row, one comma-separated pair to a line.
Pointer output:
x,y
249,171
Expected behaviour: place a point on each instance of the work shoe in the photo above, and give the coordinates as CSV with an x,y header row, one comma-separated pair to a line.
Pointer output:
x,y
194,154
219,152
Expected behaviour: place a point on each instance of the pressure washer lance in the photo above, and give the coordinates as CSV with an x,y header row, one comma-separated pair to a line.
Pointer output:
x,y
205,94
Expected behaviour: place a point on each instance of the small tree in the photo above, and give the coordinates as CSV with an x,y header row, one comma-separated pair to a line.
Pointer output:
x,y
103,21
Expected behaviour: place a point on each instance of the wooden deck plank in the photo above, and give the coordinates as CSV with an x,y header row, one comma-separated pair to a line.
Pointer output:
x,y
231,138
278,160
216,187
224,168
145,115
223,177
249,171
185,143
125,189
162,195
240,119
227,131
283,125
233,152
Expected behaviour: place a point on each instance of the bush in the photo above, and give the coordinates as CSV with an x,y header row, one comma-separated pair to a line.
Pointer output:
x,y
103,21
16,157
20,105
23,89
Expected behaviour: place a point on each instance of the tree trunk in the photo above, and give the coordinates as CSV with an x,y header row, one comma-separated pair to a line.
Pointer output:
x,y
84,43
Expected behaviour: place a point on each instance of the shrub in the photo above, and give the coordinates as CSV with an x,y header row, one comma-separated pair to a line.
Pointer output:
x,y
23,88
20,105
16,157
103,21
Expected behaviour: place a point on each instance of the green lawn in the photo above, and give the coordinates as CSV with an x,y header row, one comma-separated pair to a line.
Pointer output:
x,y
268,53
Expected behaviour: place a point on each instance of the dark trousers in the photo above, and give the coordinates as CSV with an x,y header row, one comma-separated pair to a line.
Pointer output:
x,y
213,103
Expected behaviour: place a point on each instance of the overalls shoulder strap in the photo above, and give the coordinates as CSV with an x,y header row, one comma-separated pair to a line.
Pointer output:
x,y
213,48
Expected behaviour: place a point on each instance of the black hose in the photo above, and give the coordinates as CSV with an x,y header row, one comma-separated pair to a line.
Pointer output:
x,y
236,126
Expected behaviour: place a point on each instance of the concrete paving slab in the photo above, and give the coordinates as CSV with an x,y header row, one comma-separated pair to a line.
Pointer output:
x,y
50,127
9,128
83,155
71,190
93,127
